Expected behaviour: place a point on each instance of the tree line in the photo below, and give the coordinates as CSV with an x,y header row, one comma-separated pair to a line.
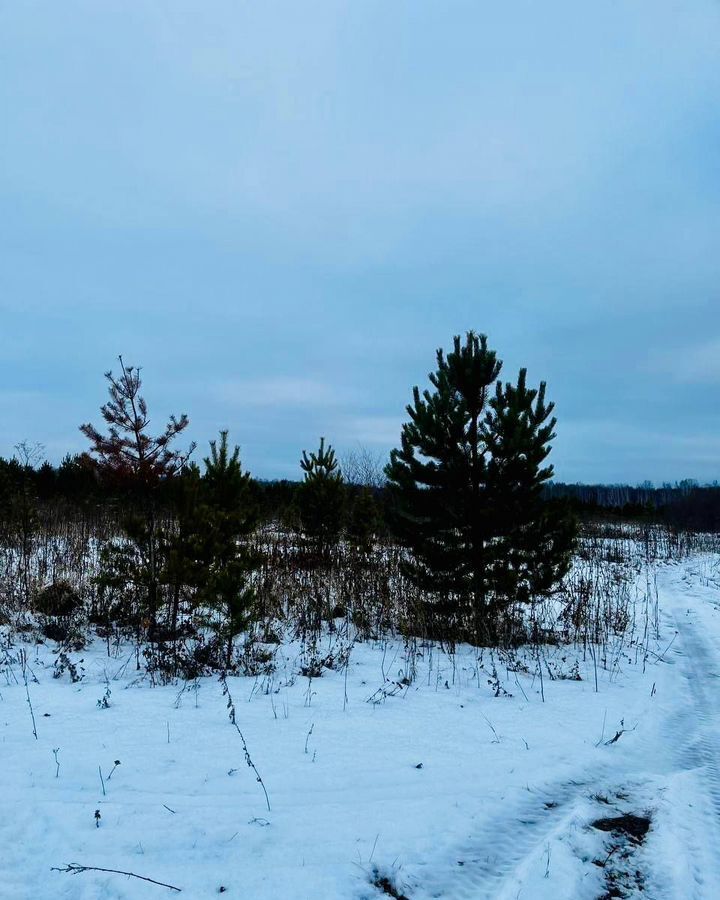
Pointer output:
x,y
463,506
685,505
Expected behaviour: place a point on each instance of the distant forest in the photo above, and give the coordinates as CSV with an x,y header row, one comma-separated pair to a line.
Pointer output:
x,y
686,504
74,483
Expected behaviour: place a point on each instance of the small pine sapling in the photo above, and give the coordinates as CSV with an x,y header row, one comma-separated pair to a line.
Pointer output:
x,y
321,500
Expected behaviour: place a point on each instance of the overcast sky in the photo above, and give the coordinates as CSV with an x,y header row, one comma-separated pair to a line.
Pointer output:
x,y
281,209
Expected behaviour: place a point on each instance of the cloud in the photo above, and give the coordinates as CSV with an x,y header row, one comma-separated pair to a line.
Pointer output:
x,y
614,451
383,431
321,194
695,364
296,392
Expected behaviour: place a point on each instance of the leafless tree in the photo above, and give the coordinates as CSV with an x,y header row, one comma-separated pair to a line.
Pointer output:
x,y
363,466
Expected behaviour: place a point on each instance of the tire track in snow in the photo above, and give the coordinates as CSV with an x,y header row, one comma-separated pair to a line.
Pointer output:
x,y
485,861
494,855
699,754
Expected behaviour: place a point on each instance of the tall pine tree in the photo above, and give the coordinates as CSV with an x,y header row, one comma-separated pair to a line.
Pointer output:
x,y
465,488
534,537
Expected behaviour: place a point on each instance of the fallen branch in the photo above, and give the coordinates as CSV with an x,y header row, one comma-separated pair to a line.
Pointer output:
x,y
490,726
23,664
75,869
620,733
231,716
389,689
661,656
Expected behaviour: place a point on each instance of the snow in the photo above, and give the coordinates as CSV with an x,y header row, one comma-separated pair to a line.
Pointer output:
x,y
444,788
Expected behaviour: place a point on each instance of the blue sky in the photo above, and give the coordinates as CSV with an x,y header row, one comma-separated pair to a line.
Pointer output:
x,y
282,209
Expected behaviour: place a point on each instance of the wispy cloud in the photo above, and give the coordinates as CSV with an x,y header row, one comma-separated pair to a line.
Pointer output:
x,y
281,211
381,431
695,364
292,392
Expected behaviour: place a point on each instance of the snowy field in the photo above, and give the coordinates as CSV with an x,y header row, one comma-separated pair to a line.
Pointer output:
x,y
441,789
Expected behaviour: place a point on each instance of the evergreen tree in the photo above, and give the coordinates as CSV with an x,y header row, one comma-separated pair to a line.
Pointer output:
x,y
75,479
465,492
25,509
127,454
534,537
364,519
321,499
181,570
5,501
130,458
225,518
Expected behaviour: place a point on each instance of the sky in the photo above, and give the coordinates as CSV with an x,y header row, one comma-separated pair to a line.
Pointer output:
x,y
280,210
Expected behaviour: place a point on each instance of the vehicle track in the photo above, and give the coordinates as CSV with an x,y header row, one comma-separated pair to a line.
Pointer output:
x,y
685,752
489,857
699,754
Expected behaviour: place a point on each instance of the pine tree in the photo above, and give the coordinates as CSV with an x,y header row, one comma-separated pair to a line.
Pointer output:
x,y
225,518
181,570
25,509
127,454
534,537
129,458
465,488
364,519
321,499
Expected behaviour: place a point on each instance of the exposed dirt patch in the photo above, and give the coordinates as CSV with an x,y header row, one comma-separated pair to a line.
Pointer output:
x,y
635,827
626,831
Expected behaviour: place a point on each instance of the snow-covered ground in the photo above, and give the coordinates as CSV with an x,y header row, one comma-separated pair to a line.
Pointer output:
x,y
443,788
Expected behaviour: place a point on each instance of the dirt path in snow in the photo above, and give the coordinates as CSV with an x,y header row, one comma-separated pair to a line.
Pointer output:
x,y
688,756
696,736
